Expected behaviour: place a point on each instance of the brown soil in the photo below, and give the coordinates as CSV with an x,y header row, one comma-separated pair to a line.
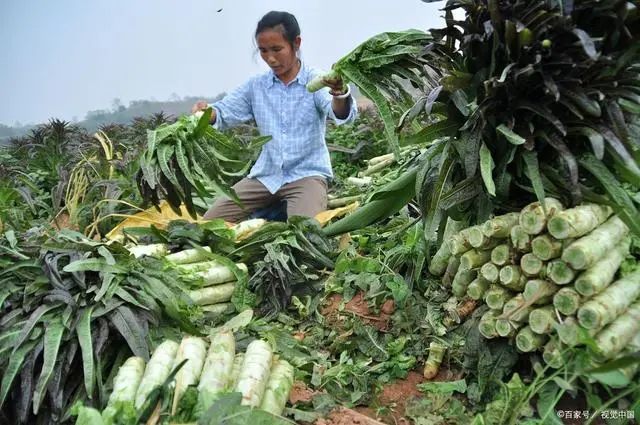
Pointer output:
x,y
344,416
300,393
358,306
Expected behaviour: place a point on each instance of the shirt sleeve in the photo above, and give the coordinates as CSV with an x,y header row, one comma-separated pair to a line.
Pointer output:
x,y
324,101
235,108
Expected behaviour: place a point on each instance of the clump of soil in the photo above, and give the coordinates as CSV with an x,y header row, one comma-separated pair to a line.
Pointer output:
x,y
300,393
358,306
344,416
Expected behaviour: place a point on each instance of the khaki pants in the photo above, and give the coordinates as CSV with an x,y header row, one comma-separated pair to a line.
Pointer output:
x,y
305,197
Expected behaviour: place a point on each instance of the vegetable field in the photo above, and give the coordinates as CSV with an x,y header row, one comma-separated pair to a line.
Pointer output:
x,y
479,262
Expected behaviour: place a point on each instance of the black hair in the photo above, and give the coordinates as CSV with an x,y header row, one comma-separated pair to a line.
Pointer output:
x,y
286,21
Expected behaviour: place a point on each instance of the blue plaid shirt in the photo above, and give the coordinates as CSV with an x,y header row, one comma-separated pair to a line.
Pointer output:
x,y
296,120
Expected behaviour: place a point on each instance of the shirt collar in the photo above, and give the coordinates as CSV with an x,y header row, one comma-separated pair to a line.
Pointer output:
x,y
302,77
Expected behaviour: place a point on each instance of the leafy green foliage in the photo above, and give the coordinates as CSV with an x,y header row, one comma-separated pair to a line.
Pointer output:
x,y
67,304
190,155
376,65
291,257
531,88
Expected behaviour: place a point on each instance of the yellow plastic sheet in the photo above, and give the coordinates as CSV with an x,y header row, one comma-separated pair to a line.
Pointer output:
x,y
152,216
162,218
326,216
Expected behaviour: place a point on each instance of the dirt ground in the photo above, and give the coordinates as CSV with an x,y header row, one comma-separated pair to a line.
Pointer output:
x,y
358,306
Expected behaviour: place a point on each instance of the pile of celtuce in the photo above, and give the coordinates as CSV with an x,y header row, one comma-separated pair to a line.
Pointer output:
x,y
550,277
211,282
195,372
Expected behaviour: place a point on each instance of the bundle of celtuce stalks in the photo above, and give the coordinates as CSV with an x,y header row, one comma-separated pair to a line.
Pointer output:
x,y
550,277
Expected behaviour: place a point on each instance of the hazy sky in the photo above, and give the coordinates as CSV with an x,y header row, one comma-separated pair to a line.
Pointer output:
x,y
63,58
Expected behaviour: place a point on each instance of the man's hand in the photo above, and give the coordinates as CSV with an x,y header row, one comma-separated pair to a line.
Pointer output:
x,y
200,105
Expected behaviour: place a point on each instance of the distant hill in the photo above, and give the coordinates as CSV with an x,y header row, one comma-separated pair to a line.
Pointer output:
x,y
120,114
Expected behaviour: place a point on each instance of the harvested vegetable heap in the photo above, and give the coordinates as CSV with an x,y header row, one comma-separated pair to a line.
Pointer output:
x,y
184,380
551,279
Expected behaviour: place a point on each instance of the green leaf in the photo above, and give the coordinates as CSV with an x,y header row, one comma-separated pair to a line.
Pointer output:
x,y
595,138
449,387
52,339
86,345
486,169
33,319
511,136
13,368
370,90
127,324
587,43
532,171
93,265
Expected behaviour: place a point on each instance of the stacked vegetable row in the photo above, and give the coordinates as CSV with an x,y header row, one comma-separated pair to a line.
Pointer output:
x,y
550,277
208,370
211,282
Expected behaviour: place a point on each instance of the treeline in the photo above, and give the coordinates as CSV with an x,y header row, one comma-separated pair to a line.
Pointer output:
x,y
118,114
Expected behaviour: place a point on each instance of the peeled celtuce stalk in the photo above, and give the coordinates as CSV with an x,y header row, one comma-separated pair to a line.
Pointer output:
x,y
511,277
152,250
255,371
528,341
552,354
477,288
603,308
157,370
516,309
432,365
278,388
567,301
487,324
440,260
542,320
217,309
597,277
188,256
578,221
490,272
501,255
507,328
219,274
213,294
545,247
194,350
248,227
539,291
614,337
560,272
450,272
461,282
341,202
534,217
531,265
479,240
359,181
520,239
500,226
571,333
496,297
125,385
474,258
216,374
373,169
459,243
586,251
238,361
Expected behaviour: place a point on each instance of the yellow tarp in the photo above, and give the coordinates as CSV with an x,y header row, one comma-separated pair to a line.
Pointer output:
x,y
161,218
